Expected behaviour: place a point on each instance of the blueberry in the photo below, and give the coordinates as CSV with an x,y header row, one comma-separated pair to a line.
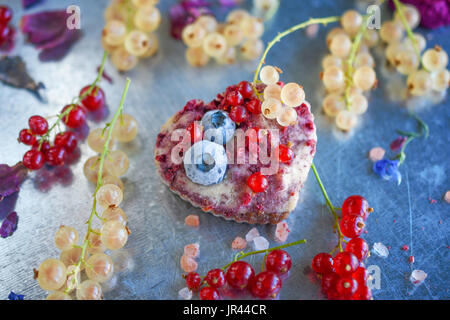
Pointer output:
x,y
205,163
218,126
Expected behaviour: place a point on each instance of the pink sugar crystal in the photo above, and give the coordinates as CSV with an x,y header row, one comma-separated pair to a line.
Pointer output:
x,y
252,234
192,220
185,294
312,30
417,277
447,197
376,154
192,250
239,243
261,243
188,264
282,232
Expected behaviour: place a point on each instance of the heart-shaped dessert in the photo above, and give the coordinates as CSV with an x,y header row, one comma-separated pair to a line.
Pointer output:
x,y
229,158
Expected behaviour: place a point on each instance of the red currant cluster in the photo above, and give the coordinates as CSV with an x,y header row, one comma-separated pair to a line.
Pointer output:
x,y
240,276
38,134
344,277
240,102
7,31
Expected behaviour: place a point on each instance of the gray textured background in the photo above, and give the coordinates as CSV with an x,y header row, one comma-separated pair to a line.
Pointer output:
x,y
160,87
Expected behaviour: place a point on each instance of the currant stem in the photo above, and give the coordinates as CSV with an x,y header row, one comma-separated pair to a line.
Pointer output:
x,y
243,255
103,156
330,206
399,9
78,99
281,35
351,60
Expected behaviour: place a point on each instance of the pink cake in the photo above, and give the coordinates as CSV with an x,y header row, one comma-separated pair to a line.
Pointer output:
x,y
231,198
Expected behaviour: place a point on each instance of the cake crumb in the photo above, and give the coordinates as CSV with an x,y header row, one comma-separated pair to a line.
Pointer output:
x,y
411,259
239,243
282,232
192,250
188,264
376,154
405,247
192,220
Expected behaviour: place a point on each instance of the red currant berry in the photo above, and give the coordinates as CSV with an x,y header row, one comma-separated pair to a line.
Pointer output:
x,y
93,101
5,15
239,114
347,286
6,33
284,153
193,281
209,293
254,106
38,125
76,116
265,284
345,263
352,226
356,205
234,98
33,160
196,132
322,263
257,182
27,137
56,156
363,293
358,247
239,274
328,283
278,261
44,147
245,89
215,278
67,140
361,275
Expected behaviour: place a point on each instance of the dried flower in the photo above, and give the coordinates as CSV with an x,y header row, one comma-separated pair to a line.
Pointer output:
x,y
14,296
388,170
9,225
11,178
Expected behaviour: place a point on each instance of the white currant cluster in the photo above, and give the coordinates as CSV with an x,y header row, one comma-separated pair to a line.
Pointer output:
x,y
348,72
128,34
426,70
63,276
206,38
280,99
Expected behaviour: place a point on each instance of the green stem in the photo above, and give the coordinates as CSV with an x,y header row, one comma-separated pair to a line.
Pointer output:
x,y
330,206
410,34
243,255
281,35
422,132
351,60
110,127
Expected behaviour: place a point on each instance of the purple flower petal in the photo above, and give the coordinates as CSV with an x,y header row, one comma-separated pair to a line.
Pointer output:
x,y
15,296
9,225
387,170
398,143
48,31
11,178
434,13
29,3
184,13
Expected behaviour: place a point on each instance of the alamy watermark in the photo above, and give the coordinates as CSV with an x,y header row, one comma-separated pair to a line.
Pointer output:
x,y
74,20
